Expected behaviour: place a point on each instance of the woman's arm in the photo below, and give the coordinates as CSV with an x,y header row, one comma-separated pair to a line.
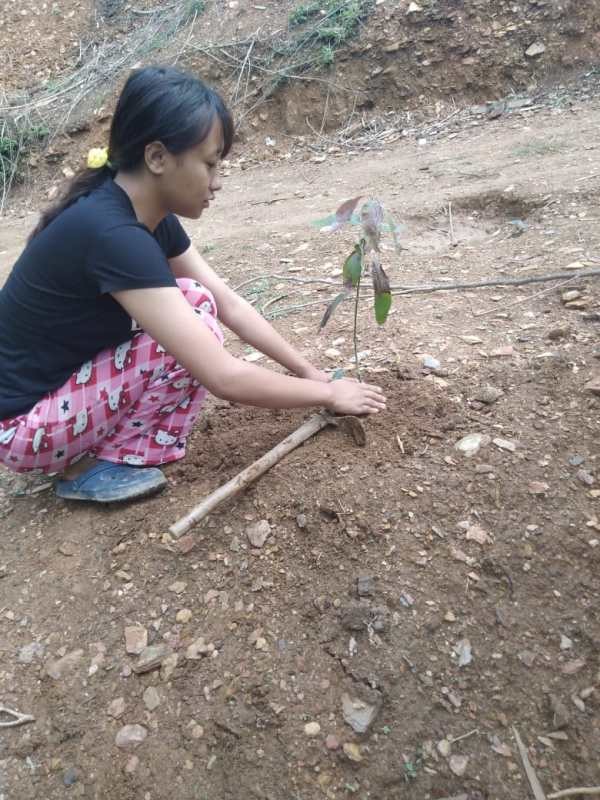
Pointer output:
x,y
168,318
241,318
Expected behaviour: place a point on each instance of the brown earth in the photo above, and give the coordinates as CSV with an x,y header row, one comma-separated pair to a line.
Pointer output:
x,y
232,725
291,634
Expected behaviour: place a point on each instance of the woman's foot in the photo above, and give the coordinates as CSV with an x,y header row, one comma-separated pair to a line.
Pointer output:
x,y
105,482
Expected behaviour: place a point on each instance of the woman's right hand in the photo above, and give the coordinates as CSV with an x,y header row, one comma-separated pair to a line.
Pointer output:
x,y
352,397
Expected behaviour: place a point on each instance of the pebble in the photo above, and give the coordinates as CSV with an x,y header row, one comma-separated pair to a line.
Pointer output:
x,y
168,666
70,776
559,332
505,444
151,658
60,667
352,751
365,586
332,742
535,49
429,362
484,469
585,477
576,460
116,709
67,548
488,395
444,748
502,352
572,294
565,642
593,386
301,521
151,698
312,729
132,764
198,649
470,445
450,616
30,651
258,533
130,736
332,353
358,714
538,487
183,616
178,587
136,639
458,765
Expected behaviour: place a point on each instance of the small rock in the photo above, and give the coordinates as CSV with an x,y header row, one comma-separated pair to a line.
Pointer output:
x,y
258,533
301,521
151,698
429,362
593,386
130,736
527,658
487,395
70,776
183,616
535,49
565,642
471,339
30,651
501,748
576,461
151,658
538,487
312,729
484,469
352,752
168,666
458,765
198,649
559,332
332,353
444,748
585,477
178,587
358,714
572,294
60,667
470,445
561,716
450,616
365,586
184,545
132,764
332,742
503,352
136,638
464,652
67,548
479,535
505,444
116,709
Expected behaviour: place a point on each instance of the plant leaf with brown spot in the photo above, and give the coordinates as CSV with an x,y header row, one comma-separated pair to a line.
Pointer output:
x,y
352,269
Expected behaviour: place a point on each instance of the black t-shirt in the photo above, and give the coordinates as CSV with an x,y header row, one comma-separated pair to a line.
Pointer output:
x,y
56,311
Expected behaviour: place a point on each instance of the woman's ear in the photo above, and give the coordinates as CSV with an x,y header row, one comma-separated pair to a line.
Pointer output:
x,y
155,157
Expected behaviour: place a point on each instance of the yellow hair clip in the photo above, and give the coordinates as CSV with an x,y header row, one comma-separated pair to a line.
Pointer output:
x,y
97,157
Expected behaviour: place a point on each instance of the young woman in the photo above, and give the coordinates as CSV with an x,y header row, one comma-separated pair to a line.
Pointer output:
x,y
109,340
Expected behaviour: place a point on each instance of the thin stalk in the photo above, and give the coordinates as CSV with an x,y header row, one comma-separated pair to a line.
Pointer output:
x,y
356,299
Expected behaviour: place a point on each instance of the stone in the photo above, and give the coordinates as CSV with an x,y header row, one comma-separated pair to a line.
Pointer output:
x,y
358,714
535,49
470,444
365,586
312,729
116,708
178,587
503,352
477,534
332,353
538,487
593,386
332,742
585,477
458,765
505,444
568,297
471,339
429,362
258,533
487,395
183,616
151,698
136,639
132,764
444,748
60,667
352,752
559,332
301,521
565,642
198,649
30,651
130,736
168,666
70,776
67,548
151,658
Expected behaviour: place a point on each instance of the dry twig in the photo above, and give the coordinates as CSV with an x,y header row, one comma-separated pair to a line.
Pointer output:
x,y
576,791
536,786
17,718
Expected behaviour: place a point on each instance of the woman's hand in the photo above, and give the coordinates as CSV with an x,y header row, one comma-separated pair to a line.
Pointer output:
x,y
314,374
352,397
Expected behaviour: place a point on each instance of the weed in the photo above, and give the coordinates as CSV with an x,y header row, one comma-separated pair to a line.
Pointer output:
x,y
16,141
326,56
195,8
537,148
303,13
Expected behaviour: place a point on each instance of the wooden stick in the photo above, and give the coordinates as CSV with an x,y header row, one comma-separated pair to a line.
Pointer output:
x,y
17,718
536,786
453,241
250,474
575,792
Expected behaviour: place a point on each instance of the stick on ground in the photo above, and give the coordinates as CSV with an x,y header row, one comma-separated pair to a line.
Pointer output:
x,y
250,474
576,791
536,786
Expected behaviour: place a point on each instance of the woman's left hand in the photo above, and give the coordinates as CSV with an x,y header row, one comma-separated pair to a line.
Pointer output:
x,y
314,374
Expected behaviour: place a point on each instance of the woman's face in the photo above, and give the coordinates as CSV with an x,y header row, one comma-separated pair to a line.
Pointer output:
x,y
189,180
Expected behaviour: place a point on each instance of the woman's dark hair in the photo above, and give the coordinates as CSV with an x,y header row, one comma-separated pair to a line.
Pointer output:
x,y
160,104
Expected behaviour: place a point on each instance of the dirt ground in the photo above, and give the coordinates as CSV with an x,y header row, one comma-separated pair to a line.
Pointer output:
x,y
386,567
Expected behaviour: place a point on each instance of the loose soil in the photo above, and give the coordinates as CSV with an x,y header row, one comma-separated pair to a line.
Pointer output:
x,y
291,635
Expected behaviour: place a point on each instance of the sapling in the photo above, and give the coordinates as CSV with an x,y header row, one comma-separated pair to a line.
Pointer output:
x,y
366,252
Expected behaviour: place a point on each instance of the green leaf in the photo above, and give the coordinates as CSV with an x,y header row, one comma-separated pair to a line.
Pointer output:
x,y
383,303
331,308
352,269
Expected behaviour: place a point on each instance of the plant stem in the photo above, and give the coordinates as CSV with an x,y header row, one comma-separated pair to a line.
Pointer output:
x,y
355,326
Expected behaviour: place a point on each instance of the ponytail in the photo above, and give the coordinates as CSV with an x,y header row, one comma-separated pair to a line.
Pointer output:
x,y
81,185
157,104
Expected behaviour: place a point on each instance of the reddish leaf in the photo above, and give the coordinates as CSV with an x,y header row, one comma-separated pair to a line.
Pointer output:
x,y
345,211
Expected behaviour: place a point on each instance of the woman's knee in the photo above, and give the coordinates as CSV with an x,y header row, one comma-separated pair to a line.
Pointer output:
x,y
198,296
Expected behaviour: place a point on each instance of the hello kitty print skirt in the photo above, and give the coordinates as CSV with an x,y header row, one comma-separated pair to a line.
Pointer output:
x,y
132,404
